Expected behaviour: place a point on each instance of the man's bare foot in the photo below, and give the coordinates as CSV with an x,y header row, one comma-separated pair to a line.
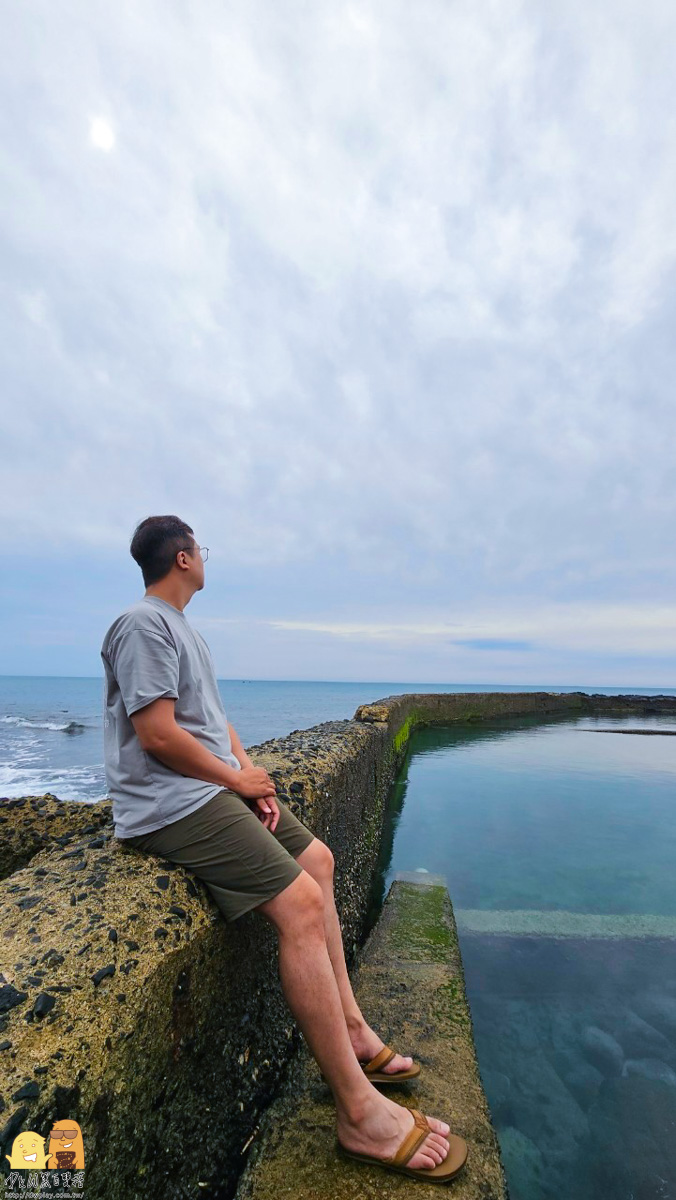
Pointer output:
x,y
383,1128
366,1044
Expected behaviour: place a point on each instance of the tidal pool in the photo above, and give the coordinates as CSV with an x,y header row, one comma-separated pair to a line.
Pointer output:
x,y
558,844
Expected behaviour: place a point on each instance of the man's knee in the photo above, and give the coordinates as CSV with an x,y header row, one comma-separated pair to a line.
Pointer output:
x,y
317,859
309,895
301,903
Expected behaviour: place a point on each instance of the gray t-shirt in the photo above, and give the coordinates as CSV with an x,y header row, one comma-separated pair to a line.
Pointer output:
x,y
151,651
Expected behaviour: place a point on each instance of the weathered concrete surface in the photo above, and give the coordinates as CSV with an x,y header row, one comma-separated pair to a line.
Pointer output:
x,y
190,1031
410,985
439,708
34,823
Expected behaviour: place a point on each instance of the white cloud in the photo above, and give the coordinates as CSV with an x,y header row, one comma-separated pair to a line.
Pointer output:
x,y
380,300
101,134
611,629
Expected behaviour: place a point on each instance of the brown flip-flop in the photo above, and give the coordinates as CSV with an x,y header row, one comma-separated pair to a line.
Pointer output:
x,y
442,1172
373,1070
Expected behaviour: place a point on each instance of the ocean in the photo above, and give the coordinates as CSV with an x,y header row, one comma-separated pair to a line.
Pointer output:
x,y
51,728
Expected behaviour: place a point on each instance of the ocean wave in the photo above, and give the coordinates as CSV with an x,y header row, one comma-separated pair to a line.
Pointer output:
x,y
25,723
69,783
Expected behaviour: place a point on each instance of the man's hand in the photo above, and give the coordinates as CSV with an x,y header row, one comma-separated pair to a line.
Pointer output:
x,y
267,810
254,783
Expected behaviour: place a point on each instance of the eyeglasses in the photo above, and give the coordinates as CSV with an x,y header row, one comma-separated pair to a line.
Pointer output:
x,y
68,1134
204,551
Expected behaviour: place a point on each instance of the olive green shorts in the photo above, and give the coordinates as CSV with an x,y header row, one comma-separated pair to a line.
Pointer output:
x,y
225,844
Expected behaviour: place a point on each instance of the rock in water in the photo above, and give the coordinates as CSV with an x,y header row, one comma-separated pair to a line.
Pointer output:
x,y
640,1039
649,1068
602,1050
660,1011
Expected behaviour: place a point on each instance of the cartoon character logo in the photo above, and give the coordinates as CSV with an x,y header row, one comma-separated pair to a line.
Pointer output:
x,y
66,1146
28,1152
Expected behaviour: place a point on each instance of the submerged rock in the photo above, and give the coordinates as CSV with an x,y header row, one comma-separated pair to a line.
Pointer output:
x,y
649,1068
524,1165
631,1151
498,1087
659,1010
640,1039
602,1050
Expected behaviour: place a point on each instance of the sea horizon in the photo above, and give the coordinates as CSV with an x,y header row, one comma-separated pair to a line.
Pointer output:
x,y
566,687
51,726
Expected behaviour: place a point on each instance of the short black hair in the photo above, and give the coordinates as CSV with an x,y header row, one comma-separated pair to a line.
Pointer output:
x,y
155,544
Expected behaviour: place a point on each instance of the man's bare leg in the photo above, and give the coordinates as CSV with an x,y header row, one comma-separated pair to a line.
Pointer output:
x,y
366,1121
317,860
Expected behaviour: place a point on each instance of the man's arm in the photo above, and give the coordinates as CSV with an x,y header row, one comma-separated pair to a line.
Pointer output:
x,y
161,736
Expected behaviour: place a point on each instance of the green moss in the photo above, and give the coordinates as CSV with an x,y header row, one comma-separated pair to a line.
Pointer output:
x,y
449,1006
404,732
421,932
401,736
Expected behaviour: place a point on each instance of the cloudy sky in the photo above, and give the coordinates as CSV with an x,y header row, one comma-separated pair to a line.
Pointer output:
x,y
379,297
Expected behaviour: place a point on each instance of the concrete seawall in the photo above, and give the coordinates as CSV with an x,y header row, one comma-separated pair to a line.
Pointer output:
x,y
127,1003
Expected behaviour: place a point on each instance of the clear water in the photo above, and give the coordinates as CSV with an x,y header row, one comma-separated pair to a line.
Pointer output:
x,y
51,734
558,844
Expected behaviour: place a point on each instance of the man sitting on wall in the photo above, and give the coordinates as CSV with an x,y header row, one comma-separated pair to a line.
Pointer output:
x,y
184,788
